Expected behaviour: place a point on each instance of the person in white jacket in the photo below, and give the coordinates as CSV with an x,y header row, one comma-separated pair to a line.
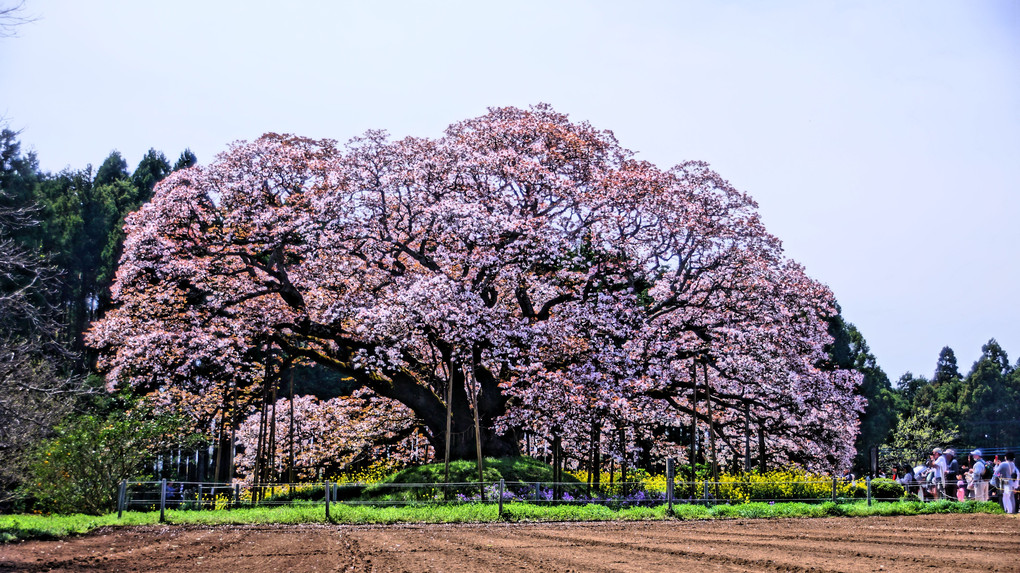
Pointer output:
x,y
938,465
1006,475
980,485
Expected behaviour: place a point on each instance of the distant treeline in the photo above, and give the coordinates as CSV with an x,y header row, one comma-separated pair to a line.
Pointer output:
x,y
979,409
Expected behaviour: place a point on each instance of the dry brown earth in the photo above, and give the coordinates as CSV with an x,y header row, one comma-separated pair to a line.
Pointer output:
x,y
958,543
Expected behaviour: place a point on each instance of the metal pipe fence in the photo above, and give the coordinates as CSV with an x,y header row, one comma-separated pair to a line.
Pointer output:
x,y
201,496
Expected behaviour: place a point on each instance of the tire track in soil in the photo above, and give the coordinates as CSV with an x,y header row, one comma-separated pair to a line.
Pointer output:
x,y
253,549
459,549
893,532
797,543
965,543
690,552
976,542
871,543
790,553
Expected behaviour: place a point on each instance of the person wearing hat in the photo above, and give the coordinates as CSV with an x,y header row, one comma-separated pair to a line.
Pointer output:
x,y
980,485
952,474
938,474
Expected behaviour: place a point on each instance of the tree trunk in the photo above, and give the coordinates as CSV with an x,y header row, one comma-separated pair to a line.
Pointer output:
x,y
761,447
431,409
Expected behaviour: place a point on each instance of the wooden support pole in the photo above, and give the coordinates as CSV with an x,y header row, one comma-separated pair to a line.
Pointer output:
x,y
121,498
669,486
747,436
449,426
327,499
556,466
623,459
478,431
272,474
290,432
162,501
761,447
711,429
692,454
502,486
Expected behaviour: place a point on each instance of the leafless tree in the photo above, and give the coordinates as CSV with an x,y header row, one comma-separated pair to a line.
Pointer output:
x,y
36,390
13,15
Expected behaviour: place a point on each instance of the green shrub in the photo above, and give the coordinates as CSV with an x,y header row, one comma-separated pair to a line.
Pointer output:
x,y
886,489
78,470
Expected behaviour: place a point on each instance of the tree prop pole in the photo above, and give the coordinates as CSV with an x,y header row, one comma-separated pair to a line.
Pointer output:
x,y
162,501
478,430
711,429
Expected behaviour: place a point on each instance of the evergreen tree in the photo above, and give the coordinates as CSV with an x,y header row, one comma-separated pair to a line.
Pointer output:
x,y
78,219
990,400
82,228
151,170
907,387
941,397
879,416
113,169
18,173
946,369
186,160
850,350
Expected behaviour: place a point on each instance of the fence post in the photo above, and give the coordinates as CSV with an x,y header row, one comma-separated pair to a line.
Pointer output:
x,y
200,505
833,489
501,486
867,480
327,499
121,498
162,501
669,486
237,495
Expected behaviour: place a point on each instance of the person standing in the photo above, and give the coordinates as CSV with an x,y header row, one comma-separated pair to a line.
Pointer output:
x,y
918,472
980,484
938,464
1006,474
952,475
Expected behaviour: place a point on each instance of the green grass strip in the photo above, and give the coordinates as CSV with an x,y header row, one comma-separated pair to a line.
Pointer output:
x,y
21,527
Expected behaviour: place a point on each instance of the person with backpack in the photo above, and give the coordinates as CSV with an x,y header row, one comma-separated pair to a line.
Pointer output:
x,y
980,480
1006,476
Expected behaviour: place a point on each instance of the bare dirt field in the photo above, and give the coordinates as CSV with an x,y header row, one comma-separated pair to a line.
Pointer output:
x,y
976,542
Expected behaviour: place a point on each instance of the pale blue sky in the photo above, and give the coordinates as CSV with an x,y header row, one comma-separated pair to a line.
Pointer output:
x,y
881,139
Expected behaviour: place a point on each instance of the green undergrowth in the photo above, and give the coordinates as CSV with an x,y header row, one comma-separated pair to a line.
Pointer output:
x,y
20,527
427,482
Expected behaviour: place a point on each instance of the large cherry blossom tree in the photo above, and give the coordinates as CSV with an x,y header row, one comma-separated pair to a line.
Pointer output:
x,y
523,267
